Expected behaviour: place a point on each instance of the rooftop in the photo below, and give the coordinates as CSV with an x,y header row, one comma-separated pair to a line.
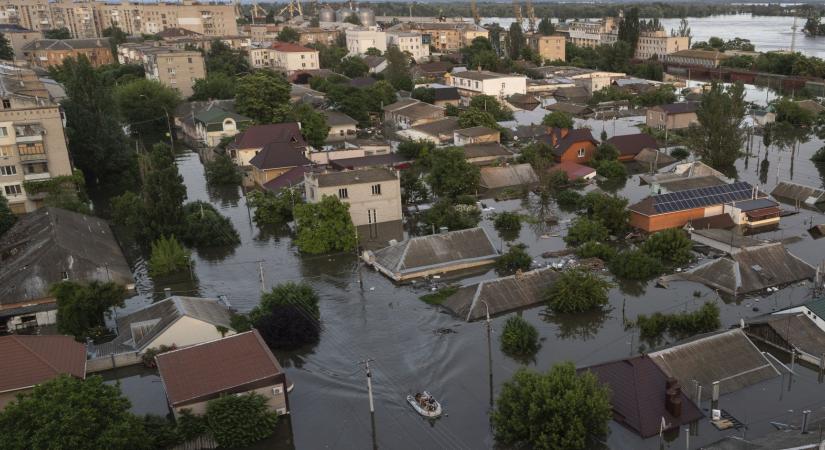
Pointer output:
x,y
277,155
800,192
510,175
754,204
632,144
485,150
259,135
481,75
31,360
446,125
817,306
420,110
700,54
678,108
337,118
688,183
67,44
573,170
348,177
563,139
388,160
476,131
289,47
218,115
694,198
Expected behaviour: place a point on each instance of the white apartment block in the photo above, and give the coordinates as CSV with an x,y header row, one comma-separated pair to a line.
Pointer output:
x,y
285,57
411,42
482,82
361,40
373,195
652,43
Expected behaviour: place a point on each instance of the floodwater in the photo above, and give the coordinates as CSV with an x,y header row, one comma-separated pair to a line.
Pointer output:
x,y
415,346
767,33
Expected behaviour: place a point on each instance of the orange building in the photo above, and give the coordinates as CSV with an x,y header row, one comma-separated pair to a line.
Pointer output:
x,y
577,146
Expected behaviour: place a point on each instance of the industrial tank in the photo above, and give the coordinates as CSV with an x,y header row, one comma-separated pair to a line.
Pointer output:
x,y
343,13
327,15
367,17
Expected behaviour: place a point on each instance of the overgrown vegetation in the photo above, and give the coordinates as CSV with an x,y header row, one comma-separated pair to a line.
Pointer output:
x,y
168,257
585,230
237,421
519,338
577,291
515,259
288,316
634,265
324,227
81,307
204,226
437,297
679,325
222,171
508,225
458,214
274,209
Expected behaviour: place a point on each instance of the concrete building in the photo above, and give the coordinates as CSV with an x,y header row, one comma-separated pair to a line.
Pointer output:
x,y
703,58
285,57
361,40
341,126
444,36
674,116
167,65
476,135
409,112
588,33
45,53
18,37
88,19
551,48
658,42
411,42
481,82
373,195
32,138
214,124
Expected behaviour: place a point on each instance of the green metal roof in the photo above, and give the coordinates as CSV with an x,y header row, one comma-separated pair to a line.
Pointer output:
x,y
218,115
817,307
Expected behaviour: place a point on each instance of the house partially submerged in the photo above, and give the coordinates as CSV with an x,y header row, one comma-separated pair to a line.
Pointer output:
x,y
173,322
653,160
32,360
750,270
643,397
501,295
507,176
574,171
798,194
728,358
726,241
434,254
630,145
790,331
659,182
46,247
486,153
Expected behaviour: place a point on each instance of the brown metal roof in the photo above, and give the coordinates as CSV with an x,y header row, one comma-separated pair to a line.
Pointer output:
x,y
31,360
486,149
260,135
632,144
204,370
276,155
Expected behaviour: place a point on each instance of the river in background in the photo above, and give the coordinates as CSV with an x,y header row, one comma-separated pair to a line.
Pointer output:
x,y
767,33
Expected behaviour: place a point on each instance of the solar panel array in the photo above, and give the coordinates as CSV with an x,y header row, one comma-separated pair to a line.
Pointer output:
x,y
701,197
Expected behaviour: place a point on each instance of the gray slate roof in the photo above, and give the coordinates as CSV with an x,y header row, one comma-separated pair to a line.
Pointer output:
x,y
66,44
502,295
337,118
798,330
140,328
50,243
728,357
507,176
349,177
436,250
486,149
794,191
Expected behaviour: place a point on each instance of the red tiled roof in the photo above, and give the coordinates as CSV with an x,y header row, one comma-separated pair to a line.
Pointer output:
x,y
574,171
260,135
214,367
291,48
564,143
31,360
632,144
276,155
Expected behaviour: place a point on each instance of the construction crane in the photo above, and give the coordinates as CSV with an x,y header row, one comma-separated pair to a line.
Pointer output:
x,y
517,12
257,11
531,16
474,10
292,7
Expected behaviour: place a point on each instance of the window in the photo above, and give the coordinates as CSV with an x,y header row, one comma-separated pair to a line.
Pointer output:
x,y
190,60
4,131
376,189
13,189
8,170
581,153
342,193
6,103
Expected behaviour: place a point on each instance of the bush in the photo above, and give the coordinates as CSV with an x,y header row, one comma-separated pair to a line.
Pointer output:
x,y
204,226
168,256
680,153
577,291
240,420
558,119
519,338
679,325
222,171
584,230
611,169
80,307
671,246
288,316
514,260
126,210
458,216
7,218
593,249
190,426
635,265
606,152
508,225
568,200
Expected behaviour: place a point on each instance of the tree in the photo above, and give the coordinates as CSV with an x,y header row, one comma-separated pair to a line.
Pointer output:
x,y
557,410
329,56
474,117
314,126
672,246
415,149
116,37
353,19
789,111
629,28
606,152
261,94
80,307
519,338
6,51
324,227
239,420
718,136
458,215
577,291
508,225
353,67
163,194
413,190
546,27
593,249
222,171
67,412
7,218
288,317
57,33
584,230
274,209
218,85
480,54
491,105
222,59
425,94
516,259
558,119
398,69
610,211
372,51
144,105
635,265
451,175
288,34
611,168
516,38
167,257
204,226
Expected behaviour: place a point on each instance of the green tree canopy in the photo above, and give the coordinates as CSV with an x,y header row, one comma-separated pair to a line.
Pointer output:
x,y
222,59
167,257
260,95
556,410
274,209
480,55
221,171
324,227
372,51
80,307
558,119
577,291
451,175
519,338
314,126
672,246
353,67
163,194
237,421
425,94
144,105
6,51
288,34
455,215
546,27
718,137
288,316
490,104
609,210
57,33
516,258
584,230
635,265
7,218
516,39
218,86
204,226
398,69
508,225
474,117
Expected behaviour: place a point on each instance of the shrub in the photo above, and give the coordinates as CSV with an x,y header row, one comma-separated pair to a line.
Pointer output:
x,y
148,357
7,218
671,246
583,230
519,338
508,225
680,153
204,226
454,216
606,152
611,169
325,226
168,256
577,291
558,119
635,265
593,249
190,426
222,171
679,325
568,200
514,260
239,420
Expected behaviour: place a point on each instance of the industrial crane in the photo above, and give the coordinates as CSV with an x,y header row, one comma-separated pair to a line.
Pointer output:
x,y
474,10
517,11
531,16
292,7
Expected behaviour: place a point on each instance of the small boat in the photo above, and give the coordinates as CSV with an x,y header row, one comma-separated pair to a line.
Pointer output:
x,y
425,404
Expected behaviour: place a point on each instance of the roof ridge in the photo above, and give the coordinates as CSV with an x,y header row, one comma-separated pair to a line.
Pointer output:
x,y
31,350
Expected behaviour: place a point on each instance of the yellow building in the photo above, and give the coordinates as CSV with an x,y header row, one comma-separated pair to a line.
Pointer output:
x,y
373,195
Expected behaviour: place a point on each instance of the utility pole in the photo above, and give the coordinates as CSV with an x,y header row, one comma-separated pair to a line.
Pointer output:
x,y
358,262
366,363
489,350
261,271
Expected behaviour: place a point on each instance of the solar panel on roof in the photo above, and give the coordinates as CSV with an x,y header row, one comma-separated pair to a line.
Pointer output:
x,y
702,197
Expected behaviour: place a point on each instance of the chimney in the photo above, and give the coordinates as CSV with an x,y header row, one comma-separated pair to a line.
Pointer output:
x,y
673,397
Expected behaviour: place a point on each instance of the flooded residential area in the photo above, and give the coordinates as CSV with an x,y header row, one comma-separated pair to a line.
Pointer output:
x,y
353,285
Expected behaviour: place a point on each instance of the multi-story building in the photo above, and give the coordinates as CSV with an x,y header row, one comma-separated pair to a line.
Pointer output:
x,y
651,43
170,66
481,82
32,140
411,42
45,53
18,38
262,32
361,40
551,48
284,56
314,35
373,195
703,58
88,18
444,36
588,33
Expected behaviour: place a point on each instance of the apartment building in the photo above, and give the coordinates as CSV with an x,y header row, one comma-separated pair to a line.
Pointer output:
x,y
168,65
589,33
481,82
361,40
45,53
704,58
373,195
284,56
32,140
551,48
18,38
88,18
444,36
658,42
411,42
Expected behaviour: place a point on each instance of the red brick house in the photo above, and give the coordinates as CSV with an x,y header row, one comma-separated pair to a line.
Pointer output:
x,y
568,145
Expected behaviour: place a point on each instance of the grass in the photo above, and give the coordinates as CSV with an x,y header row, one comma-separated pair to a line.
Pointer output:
x,y
437,297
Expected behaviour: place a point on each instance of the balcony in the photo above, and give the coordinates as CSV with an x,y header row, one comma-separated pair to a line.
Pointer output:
x,y
37,176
